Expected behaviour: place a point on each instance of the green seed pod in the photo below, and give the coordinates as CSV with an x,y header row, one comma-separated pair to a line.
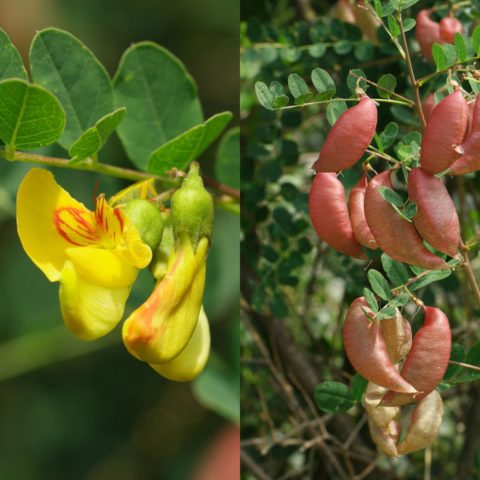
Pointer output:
x,y
147,219
192,209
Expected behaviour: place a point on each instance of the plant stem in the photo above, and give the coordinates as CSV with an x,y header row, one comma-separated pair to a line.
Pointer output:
x,y
113,171
465,365
411,73
319,102
469,271
422,80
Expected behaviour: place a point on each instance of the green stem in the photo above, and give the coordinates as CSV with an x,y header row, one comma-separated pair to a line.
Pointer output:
x,y
422,80
319,102
112,171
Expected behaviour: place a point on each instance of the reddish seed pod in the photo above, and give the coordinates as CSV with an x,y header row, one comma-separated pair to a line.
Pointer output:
x,y
428,359
397,334
356,205
428,105
424,424
470,148
329,214
366,349
449,26
349,137
446,127
427,33
394,235
436,219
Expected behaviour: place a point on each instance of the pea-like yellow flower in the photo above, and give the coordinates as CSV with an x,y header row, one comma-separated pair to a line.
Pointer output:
x,y
94,255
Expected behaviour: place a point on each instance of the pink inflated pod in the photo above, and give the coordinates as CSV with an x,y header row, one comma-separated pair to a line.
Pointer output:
x,y
424,424
428,105
428,359
356,206
394,235
329,214
449,26
445,128
469,150
380,416
427,33
366,349
436,219
397,333
349,138
385,438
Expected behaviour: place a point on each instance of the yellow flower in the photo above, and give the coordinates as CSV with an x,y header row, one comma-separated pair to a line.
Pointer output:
x,y
159,330
95,255
193,358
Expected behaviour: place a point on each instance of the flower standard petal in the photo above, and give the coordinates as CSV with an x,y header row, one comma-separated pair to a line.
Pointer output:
x,y
89,311
39,198
193,358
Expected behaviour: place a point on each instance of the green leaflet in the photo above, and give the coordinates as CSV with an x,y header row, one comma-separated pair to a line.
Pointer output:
x,y
11,64
30,116
160,97
92,140
65,66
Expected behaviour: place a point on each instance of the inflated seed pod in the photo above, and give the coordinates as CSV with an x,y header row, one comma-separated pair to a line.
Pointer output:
x,y
397,334
436,219
428,359
427,33
329,214
379,415
385,438
349,137
428,105
366,349
424,424
356,206
394,235
470,148
449,26
446,127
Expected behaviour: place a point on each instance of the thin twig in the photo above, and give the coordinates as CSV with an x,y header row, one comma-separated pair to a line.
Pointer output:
x,y
254,468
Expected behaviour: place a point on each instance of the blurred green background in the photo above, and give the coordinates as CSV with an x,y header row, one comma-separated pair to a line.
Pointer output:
x,y
76,410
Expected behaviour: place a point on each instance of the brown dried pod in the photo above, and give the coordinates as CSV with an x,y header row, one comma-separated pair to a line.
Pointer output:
x,y
394,235
349,137
366,349
397,334
428,359
329,214
356,206
385,438
380,416
445,128
424,424
436,220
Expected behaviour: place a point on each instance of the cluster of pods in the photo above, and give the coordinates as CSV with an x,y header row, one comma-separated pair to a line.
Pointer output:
x,y
429,32
399,371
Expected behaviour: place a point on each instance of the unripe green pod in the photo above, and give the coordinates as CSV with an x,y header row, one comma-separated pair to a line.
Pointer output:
x,y
428,359
147,219
366,350
394,235
192,209
349,137
436,219
446,127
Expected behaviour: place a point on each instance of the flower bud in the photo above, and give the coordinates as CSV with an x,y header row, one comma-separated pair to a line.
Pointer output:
x,y
192,209
147,219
